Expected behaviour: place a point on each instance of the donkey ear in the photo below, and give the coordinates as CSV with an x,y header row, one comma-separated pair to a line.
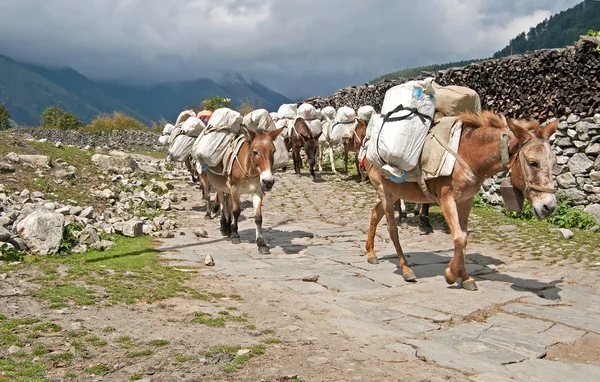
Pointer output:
x,y
522,132
318,135
252,134
275,133
547,131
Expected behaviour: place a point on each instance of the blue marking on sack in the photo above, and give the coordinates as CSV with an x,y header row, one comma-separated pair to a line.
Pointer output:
x,y
418,93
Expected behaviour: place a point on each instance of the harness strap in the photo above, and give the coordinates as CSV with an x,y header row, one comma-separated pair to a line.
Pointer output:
x,y
522,161
458,158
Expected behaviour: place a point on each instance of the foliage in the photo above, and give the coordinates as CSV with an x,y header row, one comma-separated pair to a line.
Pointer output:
x,y
56,118
111,122
558,31
215,102
158,127
4,117
565,215
592,33
416,71
69,237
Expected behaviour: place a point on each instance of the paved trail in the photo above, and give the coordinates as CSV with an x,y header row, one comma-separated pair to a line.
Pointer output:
x,y
529,321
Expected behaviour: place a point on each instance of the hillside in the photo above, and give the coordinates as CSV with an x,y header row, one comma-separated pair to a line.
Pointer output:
x,y
29,89
560,30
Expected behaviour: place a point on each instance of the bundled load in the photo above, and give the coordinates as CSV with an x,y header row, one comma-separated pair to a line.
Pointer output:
x,y
210,146
181,148
259,119
451,100
375,119
344,124
406,116
192,127
274,116
328,114
327,117
183,116
287,116
309,113
365,113
164,137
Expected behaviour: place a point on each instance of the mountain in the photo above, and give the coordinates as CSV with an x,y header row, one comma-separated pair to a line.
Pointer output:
x,y
559,31
29,89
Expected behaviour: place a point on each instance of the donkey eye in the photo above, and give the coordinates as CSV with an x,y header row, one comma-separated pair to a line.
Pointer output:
x,y
255,153
534,164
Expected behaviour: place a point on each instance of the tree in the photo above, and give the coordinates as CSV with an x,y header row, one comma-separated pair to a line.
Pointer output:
x,y
4,117
215,103
56,118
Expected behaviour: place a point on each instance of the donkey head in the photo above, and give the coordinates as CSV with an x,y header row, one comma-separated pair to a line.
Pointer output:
x,y
262,151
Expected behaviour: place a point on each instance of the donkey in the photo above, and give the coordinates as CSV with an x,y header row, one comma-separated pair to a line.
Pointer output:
x,y
202,178
302,138
353,144
489,144
252,172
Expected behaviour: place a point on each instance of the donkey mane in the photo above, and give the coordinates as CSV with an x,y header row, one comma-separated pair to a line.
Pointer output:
x,y
489,119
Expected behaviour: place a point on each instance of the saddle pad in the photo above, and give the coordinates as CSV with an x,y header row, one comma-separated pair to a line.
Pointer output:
x,y
435,160
224,168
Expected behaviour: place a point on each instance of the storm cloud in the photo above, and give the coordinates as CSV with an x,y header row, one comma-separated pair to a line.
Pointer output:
x,y
298,48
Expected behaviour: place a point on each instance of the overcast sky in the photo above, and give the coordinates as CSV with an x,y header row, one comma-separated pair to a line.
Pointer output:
x,y
298,48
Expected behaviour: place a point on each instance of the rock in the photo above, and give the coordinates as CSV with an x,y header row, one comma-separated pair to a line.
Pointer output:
x,y
75,210
593,149
575,195
13,157
561,160
42,231
89,235
37,195
18,243
572,133
122,164
580,164
13,349
597,163
65,173
4,234
573,118
25,193
5,168
147,229
36,160
64,210
209,261
108,194
167,235
566,180
594,211
582,127
58,145
200,233
131,228
243,351
79,248
43,140
87,213
565,233
166,205
103,245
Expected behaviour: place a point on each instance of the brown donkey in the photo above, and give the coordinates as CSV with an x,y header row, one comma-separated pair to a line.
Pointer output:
x,y
302,138
353,144
526,152
252,172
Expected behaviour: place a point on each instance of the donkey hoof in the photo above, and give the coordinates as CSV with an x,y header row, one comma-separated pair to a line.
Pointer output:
x,y
264,250
425,229
225,233
207,217
373,260
409,276
469,285
235,240
450,279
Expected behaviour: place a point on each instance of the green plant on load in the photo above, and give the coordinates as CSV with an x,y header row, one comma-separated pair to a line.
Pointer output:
x,y
56,118
215,102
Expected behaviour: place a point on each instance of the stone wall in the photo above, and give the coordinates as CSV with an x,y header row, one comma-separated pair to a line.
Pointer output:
x,y
126,140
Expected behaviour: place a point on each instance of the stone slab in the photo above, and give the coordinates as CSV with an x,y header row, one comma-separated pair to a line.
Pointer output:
x,y
552,371
587,318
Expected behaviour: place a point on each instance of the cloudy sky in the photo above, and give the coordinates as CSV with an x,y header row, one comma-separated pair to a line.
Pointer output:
x,y
296,47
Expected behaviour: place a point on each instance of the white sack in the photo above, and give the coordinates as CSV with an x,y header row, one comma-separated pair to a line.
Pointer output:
x,y
307,111
365,113
344,124
288,110
210,146
315,126
226,119
395,146
281,157
183,116
259,119
174,134
192,127
328,113
375,120
181,148
164,137
274,116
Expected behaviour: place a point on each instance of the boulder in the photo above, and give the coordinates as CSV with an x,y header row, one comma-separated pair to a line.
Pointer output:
x,y
87,213
103,245
36,160
580,164
4,235
115,163
42,231
6,168
89,235
13,157
131,228
594,211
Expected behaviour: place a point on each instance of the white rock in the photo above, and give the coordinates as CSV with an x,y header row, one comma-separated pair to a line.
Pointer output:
x,y
89,235
36,160
42,231
131,228
209,261
565,233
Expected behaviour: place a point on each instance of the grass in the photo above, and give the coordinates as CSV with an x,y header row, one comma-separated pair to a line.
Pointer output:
x,y
96,341
231,361
181,358
136,377
62,294
270,341
125,342
21,370
139,353
97,370
111,122
158,343
205,319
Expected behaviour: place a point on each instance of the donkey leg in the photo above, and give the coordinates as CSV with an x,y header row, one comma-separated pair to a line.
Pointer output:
x,y
320,158
457,215
332,159
360,174
376,215
424,224
225,227
297,161
388,207
346,159
206,194
263,248
236,211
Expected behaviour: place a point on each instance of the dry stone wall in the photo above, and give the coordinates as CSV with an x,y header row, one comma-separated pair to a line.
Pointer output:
x,y
126,140
547,84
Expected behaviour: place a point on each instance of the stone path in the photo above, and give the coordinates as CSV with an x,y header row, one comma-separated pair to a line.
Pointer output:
x,y
525,323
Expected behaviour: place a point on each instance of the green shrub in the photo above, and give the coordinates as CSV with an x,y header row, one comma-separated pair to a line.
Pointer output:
x,y
594,33
56,118
215,103
111,122
4,117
